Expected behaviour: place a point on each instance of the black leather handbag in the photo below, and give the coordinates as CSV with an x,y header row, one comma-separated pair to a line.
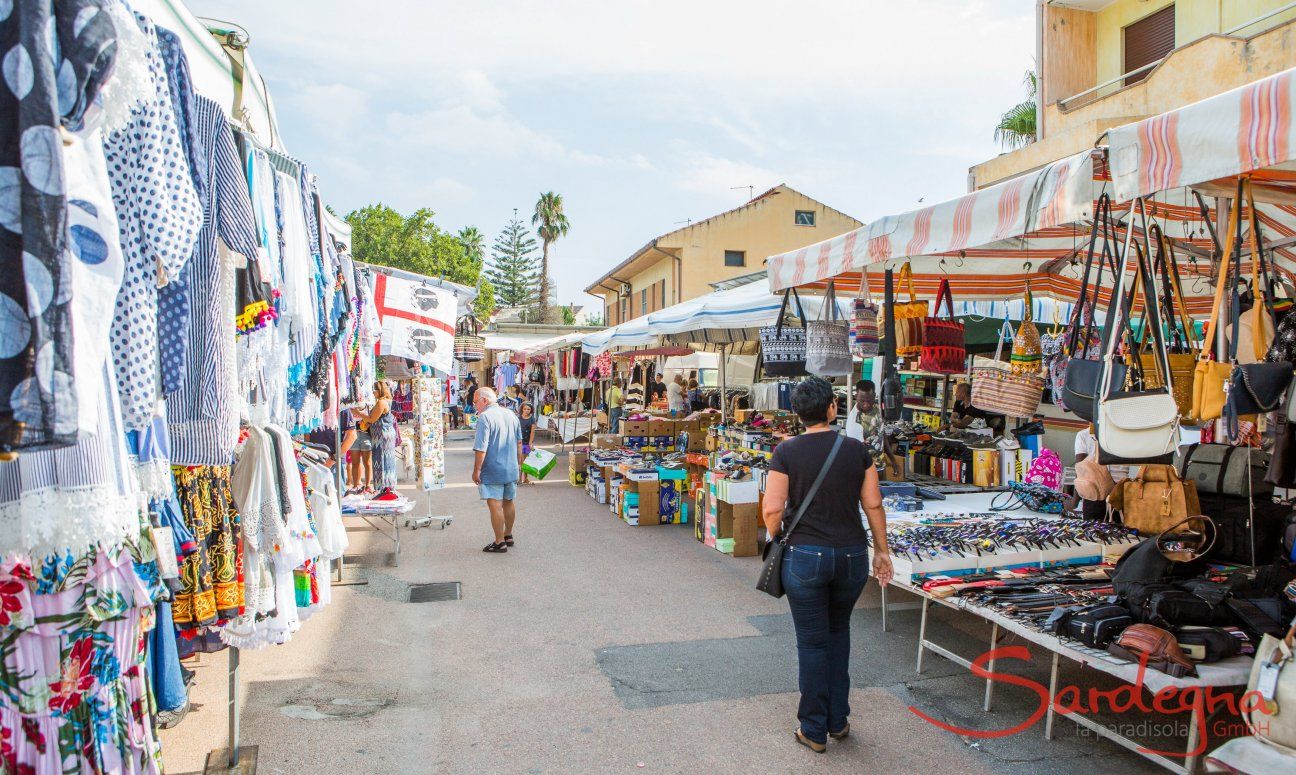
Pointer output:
x,y
1080,380
771,577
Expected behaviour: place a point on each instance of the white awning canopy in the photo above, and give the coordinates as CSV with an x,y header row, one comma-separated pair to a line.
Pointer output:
x,y
723,317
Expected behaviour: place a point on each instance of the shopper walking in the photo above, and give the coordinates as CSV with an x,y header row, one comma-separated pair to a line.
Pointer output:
x,y
526,419
498,459
827,560
382,435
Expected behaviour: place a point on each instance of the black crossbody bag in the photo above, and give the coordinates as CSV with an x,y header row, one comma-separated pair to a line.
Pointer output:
x,y
771,577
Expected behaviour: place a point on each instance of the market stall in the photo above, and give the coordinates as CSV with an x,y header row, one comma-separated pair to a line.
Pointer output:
x,y
1190,216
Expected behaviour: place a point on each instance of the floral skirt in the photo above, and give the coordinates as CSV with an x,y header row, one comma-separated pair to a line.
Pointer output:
x,y
212,577
76,696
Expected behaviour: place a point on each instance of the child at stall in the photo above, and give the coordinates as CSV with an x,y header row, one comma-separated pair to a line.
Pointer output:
x,y
527,417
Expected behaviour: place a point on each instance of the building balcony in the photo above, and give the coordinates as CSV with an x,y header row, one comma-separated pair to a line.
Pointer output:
x,y
1203,68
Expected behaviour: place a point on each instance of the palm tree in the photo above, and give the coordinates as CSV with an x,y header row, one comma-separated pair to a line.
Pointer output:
x,y
551,223
1017,126
474,244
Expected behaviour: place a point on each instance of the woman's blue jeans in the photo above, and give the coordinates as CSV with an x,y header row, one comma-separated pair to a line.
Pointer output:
x,y
822,585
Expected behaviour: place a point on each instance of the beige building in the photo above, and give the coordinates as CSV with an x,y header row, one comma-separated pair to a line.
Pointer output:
x,y
1103,63
681,264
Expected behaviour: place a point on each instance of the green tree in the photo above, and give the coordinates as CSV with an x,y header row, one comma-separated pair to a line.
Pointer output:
x,y
551,223
484,305
1017,127
512,269
381,235
568,315
474,244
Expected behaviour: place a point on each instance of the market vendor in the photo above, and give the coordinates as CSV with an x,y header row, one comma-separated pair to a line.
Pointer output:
x,y
863,421
964,413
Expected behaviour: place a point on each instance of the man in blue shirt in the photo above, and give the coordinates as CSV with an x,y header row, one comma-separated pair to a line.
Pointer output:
x,y
497,462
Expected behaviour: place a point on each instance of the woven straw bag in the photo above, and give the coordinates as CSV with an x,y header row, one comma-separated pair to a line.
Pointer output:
x,y
1027,351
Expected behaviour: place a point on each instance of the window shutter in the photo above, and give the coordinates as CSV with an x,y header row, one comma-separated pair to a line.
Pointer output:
x,y
1148,40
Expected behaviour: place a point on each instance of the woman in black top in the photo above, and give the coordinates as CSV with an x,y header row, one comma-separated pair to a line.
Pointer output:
x,y
827,561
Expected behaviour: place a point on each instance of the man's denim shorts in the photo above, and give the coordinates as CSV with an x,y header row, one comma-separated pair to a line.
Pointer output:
x,y
497,492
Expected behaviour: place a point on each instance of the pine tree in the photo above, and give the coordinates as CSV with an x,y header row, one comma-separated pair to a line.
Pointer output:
x,y
513,269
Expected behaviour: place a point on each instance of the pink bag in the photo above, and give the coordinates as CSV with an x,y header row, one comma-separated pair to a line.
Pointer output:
x,y
1046,469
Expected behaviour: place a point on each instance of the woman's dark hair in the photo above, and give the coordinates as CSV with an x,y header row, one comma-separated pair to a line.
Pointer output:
x,y
810,400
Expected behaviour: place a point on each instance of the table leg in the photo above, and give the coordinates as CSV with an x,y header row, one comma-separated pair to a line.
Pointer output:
x,y
989,690
884,607
1053,681
396,520
1192,762
922,632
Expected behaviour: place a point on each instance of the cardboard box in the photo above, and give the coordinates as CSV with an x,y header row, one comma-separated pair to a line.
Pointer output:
x,y
739,522
635,428
576,461
636,442
700,510
607,441
646,493
730,491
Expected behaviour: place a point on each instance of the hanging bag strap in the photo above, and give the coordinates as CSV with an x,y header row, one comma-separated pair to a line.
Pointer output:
x,y
829,311
1005,335
786,532
864,291
906,276
1180,301
944,294
1260,309
1083,304
1221,280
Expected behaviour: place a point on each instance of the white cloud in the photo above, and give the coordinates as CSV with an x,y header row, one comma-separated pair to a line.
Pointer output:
x,y
709,174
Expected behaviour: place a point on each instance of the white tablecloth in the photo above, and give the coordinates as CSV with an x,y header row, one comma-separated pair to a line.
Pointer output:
x,y
569,428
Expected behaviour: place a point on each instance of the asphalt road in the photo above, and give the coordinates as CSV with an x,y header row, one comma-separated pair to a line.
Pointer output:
x,y
597,647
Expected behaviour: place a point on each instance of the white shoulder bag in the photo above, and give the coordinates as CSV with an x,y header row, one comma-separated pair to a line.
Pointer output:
x,y
1135,426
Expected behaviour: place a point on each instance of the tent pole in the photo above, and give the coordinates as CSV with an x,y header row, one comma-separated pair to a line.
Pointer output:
x,y
724,393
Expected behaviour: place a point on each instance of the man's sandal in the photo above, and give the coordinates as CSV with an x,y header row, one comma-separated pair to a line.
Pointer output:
x,y
495,548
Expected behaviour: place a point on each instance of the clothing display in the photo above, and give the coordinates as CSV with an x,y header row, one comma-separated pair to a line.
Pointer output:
x,y
171,281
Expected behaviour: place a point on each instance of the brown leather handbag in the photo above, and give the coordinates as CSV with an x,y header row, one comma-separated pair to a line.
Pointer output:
x,y
1155,500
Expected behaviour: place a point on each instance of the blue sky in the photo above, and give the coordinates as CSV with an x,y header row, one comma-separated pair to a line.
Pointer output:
x,y
641,114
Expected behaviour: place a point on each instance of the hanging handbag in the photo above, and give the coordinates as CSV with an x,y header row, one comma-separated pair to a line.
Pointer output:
x,y
771,576
1135,426
944,350
1155,500
1273,680
783,347
1210,376
909,318
1182,346
995,388
1093,481
1221,469
1253,388
864,326
469,345
827,341
1084,367
1027,353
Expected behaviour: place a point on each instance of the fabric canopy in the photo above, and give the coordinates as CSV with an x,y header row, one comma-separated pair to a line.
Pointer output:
x,y
1029,218
723,317
554,344
1246,130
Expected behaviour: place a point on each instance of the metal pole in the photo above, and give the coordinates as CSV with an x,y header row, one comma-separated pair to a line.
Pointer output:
x,y
233,707
724,395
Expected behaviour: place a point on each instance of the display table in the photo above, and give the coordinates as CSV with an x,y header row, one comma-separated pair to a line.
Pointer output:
x,y
387,516
1232,672
568,429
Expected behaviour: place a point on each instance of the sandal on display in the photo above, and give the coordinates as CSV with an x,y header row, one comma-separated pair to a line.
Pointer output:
x,y
808,743
495,548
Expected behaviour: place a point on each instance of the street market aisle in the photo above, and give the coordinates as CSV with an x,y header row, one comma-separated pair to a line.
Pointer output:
x,y
593,647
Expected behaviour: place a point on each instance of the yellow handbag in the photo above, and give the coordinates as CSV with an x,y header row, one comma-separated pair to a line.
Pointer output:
x,y
909,318
1182,365
1209,377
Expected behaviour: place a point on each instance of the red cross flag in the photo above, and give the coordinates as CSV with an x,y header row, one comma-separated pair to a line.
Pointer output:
x,y
417,321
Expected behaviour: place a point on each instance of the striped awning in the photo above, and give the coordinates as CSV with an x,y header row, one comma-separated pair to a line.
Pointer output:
x,y
1029,218
1248,130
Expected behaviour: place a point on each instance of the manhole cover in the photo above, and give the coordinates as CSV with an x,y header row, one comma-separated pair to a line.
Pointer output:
x,y
435,592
